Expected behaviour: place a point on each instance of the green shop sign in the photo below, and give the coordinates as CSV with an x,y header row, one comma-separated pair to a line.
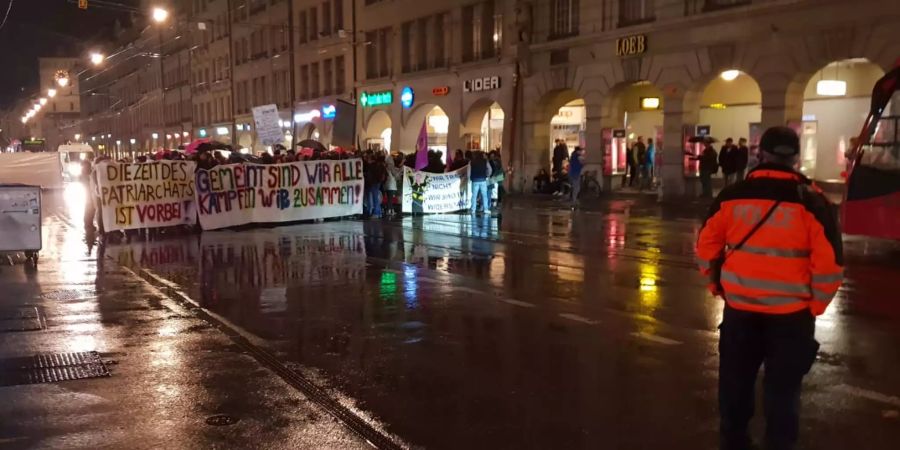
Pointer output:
x,y
370,99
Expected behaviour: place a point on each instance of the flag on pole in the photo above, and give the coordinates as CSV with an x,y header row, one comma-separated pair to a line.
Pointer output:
x,y
422,148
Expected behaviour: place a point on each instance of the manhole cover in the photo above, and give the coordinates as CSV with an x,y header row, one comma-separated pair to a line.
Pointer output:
x,y
51,368
66,294
221,420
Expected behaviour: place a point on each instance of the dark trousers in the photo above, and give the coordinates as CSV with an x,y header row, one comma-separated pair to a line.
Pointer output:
x,y
706,183
786,346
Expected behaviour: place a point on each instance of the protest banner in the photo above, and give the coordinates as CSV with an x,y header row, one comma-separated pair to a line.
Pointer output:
x,y
425,192
268,128
147,195
238,194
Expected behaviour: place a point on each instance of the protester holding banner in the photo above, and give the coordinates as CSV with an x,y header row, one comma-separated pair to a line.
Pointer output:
x,y
480,173
497,176
375,176
394,175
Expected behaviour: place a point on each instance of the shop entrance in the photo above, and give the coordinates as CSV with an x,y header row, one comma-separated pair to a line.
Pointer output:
x,y
729,104
835,105
730,108
483,129
378,133
568,125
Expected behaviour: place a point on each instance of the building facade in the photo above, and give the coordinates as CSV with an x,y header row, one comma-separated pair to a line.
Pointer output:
x,y
729,67
58,120
447,65
513,75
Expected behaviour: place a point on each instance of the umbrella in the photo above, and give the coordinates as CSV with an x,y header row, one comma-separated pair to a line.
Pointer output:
x,y
315,145
194,146
696,139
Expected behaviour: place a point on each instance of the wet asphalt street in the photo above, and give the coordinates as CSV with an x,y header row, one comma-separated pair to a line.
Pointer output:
x,y
543,328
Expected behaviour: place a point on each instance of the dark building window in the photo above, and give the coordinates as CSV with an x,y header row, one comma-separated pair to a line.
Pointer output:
x,y
636,11
564,16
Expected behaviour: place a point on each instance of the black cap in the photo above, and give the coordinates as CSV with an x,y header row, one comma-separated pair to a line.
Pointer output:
x,y
781,141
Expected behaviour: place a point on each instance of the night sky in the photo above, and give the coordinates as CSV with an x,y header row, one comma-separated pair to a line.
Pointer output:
x,y
50,28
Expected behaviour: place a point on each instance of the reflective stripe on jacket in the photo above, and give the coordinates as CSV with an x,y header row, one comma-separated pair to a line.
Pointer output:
x,y
793,262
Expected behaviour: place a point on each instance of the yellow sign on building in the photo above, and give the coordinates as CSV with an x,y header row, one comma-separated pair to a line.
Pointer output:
x,y
631,45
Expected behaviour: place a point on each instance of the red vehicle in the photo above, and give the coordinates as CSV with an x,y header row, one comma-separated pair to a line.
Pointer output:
x,y
872,199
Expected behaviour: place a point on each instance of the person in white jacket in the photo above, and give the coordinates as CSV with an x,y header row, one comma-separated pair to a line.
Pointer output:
x,y
393,183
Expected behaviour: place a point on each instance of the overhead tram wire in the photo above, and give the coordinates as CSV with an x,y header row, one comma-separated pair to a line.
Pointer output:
x,y
6,17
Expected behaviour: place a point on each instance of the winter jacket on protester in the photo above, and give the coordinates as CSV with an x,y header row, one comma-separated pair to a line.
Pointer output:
x,y
480,170
394,175
375,173
794,260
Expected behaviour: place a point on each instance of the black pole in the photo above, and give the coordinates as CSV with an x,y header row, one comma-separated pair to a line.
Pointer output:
x,y
353,42
228,18
291,60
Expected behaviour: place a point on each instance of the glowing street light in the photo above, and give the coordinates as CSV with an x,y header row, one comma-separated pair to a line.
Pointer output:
x,y
51,93
42,101
160,15
62,79
97,58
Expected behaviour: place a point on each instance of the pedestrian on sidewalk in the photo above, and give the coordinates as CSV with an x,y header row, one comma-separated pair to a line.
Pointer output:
x,y
635,160
576,165
741,159
709,166
647,166
728,161
479,173
560,154
772,249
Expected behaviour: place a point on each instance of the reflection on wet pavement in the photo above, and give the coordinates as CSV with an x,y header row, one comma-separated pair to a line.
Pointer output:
x,y
541,329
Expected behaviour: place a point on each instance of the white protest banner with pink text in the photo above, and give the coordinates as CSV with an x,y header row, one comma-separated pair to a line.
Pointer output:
x,y
238,194
146,195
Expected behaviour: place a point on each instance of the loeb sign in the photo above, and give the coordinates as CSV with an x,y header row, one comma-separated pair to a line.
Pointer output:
x,y
631,45
481,84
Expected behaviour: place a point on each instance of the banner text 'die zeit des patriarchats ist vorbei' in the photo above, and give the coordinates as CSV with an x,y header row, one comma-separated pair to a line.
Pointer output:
x,y
239,194
147,195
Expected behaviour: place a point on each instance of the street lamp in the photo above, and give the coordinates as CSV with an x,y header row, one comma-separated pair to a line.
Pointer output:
x,y
97,58
43,101
51,93
160,15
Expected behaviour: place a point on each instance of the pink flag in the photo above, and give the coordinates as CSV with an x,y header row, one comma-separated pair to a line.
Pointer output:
x,y
422,148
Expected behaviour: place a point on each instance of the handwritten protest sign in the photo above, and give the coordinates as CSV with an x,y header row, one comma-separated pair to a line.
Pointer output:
x,y
267,123
435,192
239,194
147,195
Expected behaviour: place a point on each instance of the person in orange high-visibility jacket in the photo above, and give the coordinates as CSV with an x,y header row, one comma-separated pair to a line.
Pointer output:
x,y
774,285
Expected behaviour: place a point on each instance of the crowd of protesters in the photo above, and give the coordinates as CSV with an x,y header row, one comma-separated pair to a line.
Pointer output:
x,y
382,172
